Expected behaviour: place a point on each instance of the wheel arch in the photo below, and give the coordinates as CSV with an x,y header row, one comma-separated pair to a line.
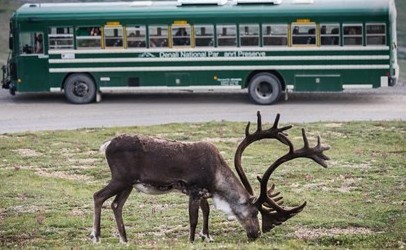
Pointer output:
x,y
81,73
274,72
80,88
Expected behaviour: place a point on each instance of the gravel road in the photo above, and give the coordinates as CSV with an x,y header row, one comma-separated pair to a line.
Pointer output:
x,y
32,112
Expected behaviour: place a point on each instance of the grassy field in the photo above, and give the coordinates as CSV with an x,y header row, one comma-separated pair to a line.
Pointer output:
x,y
48,178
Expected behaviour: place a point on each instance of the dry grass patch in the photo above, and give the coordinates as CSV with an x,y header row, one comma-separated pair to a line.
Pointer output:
x,y
26,152
306,233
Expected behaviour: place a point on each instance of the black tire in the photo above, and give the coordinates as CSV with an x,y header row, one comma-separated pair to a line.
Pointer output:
x,y
80,89
265,88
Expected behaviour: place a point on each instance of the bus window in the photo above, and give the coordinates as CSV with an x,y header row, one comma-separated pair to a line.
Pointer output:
x,y
204,35
226,35
158,36
60,38
88,38
275,34
136,37
303,34
376,34
249,34
181,35
352,34
113,37
329,34
31,43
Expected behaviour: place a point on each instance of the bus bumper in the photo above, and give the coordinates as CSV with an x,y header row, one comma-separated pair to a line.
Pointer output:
x,y
5,82
392,81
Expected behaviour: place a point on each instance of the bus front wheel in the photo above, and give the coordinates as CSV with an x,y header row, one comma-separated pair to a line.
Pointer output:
x,y
80,89
265,88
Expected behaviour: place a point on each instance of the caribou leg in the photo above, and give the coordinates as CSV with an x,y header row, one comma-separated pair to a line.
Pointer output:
x,y
204,205
117,207
99,198
194,203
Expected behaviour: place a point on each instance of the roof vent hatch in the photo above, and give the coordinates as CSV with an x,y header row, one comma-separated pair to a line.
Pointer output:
x,y
275,2
201,2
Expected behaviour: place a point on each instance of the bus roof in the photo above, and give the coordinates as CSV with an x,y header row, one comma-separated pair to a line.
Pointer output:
x,y
234,7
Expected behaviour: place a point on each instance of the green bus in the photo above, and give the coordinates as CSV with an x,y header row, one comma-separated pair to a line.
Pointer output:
x,y
268,47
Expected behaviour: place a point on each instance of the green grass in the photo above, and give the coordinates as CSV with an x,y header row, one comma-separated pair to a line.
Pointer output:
x,y
48,179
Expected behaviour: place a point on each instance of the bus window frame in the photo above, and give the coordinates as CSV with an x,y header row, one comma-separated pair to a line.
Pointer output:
x,y
135,38
331,35
188,36
376,34
33,36
89,37
167,38
304,35
227,36
105,37
211,36
276,35
344,25
68,35
242,35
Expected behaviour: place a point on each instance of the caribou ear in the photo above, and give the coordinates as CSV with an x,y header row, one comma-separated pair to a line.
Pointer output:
x,y
253,199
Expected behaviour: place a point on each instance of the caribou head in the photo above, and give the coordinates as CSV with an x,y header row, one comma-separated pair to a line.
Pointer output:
x,y
157,166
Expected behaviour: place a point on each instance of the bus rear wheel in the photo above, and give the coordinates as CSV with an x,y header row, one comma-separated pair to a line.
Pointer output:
x,y
265,88
80,89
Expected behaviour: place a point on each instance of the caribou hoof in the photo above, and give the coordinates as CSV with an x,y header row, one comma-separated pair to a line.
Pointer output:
x,y
206,237
123,241
231,218
94,238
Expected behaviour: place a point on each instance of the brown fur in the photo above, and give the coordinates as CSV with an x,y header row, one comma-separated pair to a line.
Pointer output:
x,y
158,166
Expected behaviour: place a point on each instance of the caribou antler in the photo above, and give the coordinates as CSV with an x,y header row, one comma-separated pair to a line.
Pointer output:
x,y
269,203
315,153
272,133
272,212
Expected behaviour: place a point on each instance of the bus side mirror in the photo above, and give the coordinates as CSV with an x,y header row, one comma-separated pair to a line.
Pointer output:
x,y
10,43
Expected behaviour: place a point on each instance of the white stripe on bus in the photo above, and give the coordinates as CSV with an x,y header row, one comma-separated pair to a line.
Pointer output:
x,y
202,59
216,68
318,75
201,87
357,86
158,88
345,86
218,49
208,87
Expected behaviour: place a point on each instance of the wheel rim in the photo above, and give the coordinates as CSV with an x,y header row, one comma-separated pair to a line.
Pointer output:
x,y
264,90
80,89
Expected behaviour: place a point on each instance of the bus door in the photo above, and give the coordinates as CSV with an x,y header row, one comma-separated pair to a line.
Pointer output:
x,y
181,34
32,62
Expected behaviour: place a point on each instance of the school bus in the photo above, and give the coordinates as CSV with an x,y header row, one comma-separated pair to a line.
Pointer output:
x,y
268,47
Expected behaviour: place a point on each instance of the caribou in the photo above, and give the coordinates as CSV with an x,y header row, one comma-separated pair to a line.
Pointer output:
x,y
157,166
